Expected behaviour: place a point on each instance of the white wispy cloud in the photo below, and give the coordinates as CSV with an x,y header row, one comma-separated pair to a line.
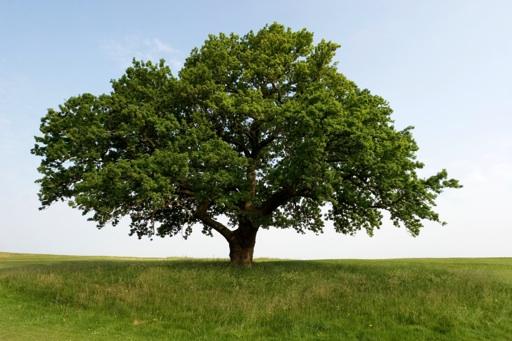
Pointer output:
x,y
121,52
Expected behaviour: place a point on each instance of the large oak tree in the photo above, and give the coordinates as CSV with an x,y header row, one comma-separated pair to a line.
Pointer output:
x,y
262,129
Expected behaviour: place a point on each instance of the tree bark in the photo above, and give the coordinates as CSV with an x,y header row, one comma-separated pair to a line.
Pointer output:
x,y
239,255
241,246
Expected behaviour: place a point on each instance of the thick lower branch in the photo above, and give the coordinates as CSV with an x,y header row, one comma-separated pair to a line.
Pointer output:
x,y
202,214
277,199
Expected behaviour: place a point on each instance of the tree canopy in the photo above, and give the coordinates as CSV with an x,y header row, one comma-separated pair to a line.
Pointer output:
x,y
261,128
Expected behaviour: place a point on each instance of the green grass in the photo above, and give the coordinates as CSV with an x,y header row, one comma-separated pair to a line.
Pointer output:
x,y
45,297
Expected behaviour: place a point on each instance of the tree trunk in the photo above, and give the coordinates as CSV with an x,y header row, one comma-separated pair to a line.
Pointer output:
x,y
241,256
241,247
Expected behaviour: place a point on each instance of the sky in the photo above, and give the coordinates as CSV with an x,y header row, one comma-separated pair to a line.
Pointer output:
x,y
444,66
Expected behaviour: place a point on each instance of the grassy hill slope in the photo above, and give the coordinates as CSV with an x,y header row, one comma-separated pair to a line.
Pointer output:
x,y
45,297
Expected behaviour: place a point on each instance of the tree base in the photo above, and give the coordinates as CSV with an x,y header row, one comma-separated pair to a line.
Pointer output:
x,y
241,256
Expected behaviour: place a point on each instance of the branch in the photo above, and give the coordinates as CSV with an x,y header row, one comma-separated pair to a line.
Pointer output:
x,y
277,199
202,214
269,139
240,148
257,144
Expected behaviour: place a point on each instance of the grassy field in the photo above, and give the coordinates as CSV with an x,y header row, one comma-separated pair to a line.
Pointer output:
x,y
91,298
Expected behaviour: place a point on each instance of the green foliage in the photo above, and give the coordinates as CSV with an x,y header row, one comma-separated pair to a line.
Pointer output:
x,y
261,128
94,299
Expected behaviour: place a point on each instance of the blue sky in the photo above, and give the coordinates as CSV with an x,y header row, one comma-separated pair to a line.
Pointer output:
x,y
444,66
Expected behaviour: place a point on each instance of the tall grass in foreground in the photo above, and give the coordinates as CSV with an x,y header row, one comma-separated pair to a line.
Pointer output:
x,y
190,300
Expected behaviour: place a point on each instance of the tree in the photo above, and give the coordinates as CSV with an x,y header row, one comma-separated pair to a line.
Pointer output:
x,y
262,129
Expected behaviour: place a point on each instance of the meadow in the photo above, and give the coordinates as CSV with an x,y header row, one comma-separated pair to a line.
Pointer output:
x,y
44,297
